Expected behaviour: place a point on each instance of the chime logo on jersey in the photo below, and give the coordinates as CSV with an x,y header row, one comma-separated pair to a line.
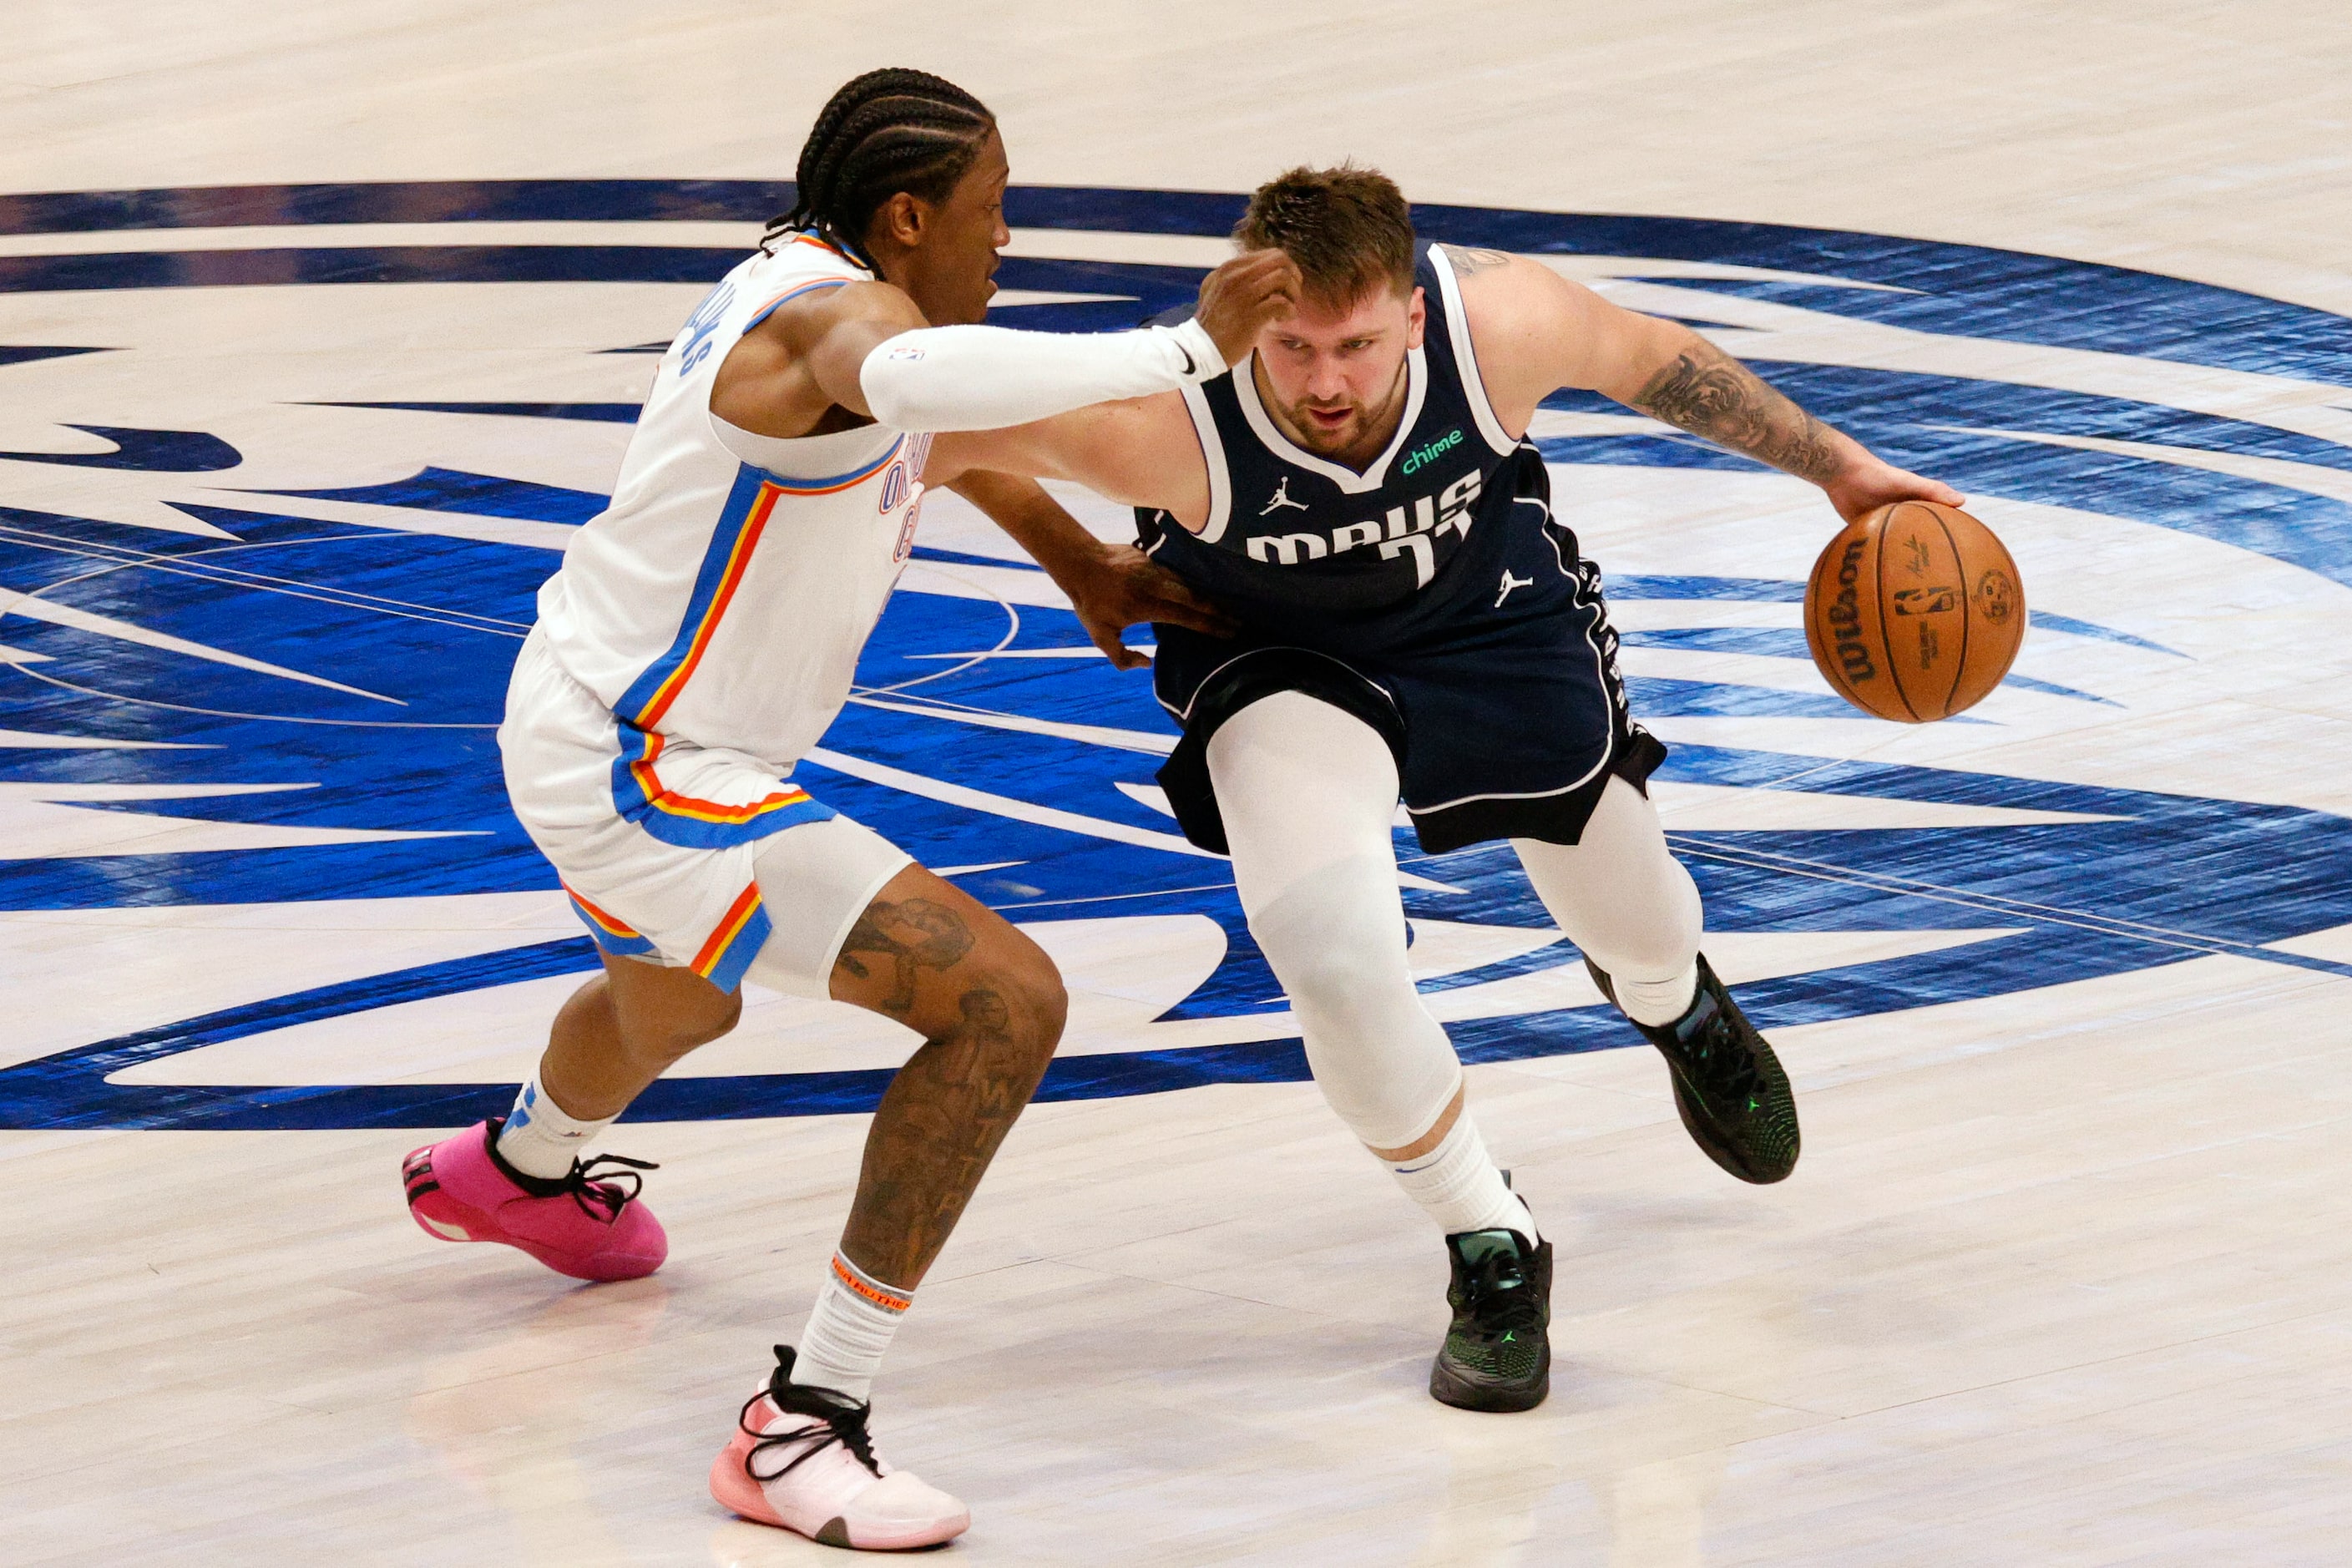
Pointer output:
x,y
1429,451
299,686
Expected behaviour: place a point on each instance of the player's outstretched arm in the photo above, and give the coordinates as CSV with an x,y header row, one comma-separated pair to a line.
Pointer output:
x,y
867,348
1111,586
1688,382
986,378
1536,331
805,359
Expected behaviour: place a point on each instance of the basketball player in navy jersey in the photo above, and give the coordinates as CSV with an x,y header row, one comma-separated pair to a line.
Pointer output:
x,y
1415,623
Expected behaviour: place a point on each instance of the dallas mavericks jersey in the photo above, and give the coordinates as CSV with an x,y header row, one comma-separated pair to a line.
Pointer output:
x,y
723,597
1288,529
1434,596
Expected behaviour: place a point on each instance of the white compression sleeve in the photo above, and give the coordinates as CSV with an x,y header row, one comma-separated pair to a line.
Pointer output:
x,y
1621,895
985,378
1308,792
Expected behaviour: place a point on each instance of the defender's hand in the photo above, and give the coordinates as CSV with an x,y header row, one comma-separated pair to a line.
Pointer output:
x,y
1127,587
1863,487
1244,295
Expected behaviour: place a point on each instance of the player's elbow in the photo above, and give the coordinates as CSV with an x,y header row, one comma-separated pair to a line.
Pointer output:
x,y
898,390
1645,350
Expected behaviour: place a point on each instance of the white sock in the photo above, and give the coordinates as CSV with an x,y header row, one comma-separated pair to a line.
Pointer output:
x,y
540,1138
1657,1003
1458,1185
848,1330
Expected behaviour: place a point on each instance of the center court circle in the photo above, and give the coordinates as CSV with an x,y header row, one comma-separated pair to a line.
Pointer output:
x,y
1847,872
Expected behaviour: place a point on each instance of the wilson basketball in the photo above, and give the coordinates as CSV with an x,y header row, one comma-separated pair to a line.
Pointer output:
x,y
1915,613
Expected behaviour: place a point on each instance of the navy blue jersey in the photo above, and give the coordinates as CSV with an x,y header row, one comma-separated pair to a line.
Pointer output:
x,y
1290,529
1433,596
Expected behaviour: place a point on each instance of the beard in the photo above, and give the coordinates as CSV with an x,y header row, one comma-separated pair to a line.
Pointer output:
x,y
1321,438
1363,423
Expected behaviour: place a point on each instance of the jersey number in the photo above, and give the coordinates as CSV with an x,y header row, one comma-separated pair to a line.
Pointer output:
x,y
695,346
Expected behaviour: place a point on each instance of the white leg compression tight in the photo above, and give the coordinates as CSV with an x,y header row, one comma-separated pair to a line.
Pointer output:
x,y
1307,792
1624,899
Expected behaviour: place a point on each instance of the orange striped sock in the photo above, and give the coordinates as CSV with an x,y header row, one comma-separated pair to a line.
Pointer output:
x,y
849,1329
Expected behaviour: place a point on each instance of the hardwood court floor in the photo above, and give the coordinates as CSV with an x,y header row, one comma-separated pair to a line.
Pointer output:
x,y
2064,1276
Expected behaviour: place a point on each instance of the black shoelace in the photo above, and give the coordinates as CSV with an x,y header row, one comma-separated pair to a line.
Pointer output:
x,y
1719,1055
1501,1295
843,1423
585,1187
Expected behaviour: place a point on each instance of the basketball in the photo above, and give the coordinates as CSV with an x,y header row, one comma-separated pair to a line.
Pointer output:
x,y
1915,612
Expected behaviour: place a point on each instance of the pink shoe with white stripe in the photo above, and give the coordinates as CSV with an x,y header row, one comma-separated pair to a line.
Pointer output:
x,y
802,1460
459,1190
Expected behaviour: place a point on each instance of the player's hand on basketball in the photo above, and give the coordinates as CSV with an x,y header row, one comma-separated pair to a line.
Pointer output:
x,y
1244,295
1863,486
1126,588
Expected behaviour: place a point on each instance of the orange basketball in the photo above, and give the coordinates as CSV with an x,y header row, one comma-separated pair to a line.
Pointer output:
x,y
1915,612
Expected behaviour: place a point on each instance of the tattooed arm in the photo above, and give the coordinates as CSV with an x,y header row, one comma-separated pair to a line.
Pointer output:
x,y
1537,332
1707,392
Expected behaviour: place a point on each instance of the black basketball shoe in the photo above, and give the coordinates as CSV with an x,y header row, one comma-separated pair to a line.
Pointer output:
x,y
1497,1353
1728,1086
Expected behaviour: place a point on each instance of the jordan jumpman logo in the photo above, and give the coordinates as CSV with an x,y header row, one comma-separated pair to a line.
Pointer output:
x,y
1282,498
1510,583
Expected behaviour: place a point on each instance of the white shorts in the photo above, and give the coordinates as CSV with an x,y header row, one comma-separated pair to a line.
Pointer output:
x,y
697,857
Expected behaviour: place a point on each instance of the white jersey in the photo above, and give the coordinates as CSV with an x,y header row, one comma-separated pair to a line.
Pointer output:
x,y
721,600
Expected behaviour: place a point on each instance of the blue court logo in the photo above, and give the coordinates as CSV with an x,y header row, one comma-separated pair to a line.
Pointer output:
x,y
277,642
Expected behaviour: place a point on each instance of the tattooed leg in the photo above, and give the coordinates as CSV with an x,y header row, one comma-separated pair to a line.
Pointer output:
x,y
1709,394
990,1005
910,935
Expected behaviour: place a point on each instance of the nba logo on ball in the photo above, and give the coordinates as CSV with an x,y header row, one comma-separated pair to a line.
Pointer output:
x,y
1889,622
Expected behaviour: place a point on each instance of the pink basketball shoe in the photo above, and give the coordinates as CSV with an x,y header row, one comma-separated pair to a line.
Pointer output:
x,y
802,1460
460,1190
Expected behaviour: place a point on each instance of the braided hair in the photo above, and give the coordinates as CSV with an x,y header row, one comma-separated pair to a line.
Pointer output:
x,y
886,132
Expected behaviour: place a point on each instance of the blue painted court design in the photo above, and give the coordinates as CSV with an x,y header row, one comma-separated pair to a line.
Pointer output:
x,y
272,668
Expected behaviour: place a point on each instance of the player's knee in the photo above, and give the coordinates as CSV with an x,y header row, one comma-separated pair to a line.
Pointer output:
x,y
659,1017
1029,987
1336,942
666,1040
713,1025
1344,984
1654,934
1620,896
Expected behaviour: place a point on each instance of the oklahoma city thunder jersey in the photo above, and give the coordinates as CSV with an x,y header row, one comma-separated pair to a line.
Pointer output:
x,y
721,601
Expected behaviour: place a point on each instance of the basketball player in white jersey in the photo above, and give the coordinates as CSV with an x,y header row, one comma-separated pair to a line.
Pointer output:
x,y
699,638
1414,623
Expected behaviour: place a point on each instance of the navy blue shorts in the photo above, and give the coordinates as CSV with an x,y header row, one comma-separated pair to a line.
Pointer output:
x,y
1496,687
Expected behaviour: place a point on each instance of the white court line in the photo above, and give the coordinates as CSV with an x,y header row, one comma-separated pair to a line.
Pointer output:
x,y
1004,806
1092,734
2100,925
2312,478
201,565
13,603
37,741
